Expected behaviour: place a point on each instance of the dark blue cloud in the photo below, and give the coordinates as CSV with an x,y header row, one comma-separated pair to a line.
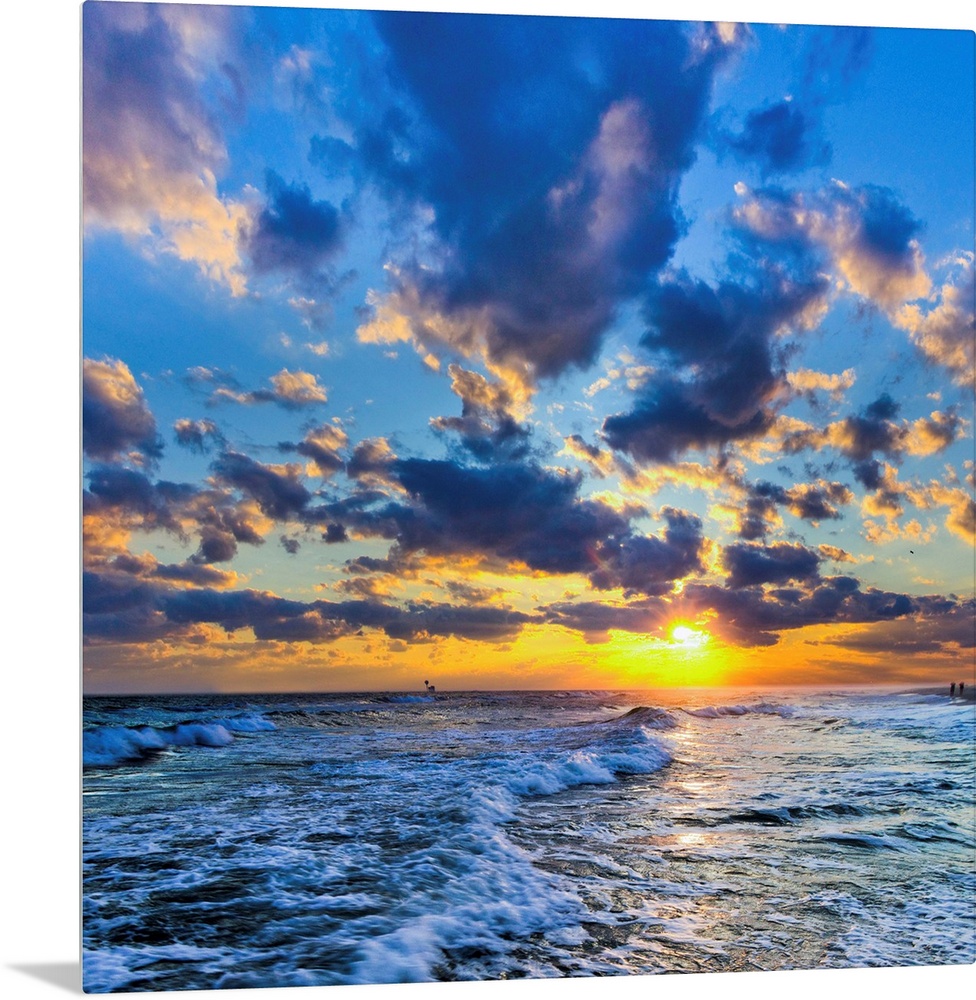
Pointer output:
x,y
749,565
866,226
888,227
515,511
197,434
722,371
836,56
293,232
115,418
550,150
749,616
643,564
279,494
277,619
780,139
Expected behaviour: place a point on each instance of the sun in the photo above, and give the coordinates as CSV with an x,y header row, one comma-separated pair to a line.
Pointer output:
x,y
687,637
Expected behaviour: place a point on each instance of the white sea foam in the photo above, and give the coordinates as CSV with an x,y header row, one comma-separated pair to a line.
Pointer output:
x,y
500,836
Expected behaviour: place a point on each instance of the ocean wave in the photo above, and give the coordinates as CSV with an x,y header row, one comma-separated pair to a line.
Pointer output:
x,y
722,711
104,746
871,841
645,715
788,815
602,762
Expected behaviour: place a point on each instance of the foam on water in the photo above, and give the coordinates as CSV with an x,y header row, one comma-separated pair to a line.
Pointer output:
x,y
490,836
108,745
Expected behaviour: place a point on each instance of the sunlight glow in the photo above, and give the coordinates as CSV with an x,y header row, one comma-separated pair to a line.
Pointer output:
x,y
687,637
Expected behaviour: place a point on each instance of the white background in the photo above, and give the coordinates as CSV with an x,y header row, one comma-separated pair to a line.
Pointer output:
x,y
39,521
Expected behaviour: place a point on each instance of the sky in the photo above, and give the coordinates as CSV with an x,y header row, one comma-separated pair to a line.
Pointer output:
x,y
523,352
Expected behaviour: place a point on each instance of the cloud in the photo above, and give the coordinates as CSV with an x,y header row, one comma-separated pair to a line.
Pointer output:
x,y
195,434
946,333
116,420
488,425
874,431
749,565
146,504
816,501
151,152
119,501
835,554
780,138
276,489
517,512
948,633
595,619
274,618
293,232
549,159
642,564
751,616
322,444
371,463
869,237
961,519
724,375
809,382
600,462
291,390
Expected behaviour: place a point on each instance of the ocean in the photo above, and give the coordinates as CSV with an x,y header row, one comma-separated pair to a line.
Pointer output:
x,y
294,840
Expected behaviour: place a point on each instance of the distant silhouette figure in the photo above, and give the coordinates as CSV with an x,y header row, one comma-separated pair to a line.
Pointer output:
x,y
962,687
952,690
430,687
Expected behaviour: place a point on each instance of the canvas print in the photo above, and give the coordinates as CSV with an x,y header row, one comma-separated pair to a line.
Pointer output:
x,y
528,497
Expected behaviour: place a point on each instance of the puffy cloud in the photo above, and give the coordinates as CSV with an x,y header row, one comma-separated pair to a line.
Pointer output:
x,y
513,511
724,376
371,462
151,151
868,235
488,424
277,490
115,416
752,616
934,433
642,564
781,138
961,519
815,501
946,333
835,554
292,390
875,431
293,233
808,382
749,565
323,444
119,501
550,160
810,501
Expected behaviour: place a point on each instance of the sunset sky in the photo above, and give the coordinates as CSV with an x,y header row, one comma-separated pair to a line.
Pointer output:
x,y
521,352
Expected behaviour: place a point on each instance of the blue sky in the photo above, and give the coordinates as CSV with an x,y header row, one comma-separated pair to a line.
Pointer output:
x,y
501,347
